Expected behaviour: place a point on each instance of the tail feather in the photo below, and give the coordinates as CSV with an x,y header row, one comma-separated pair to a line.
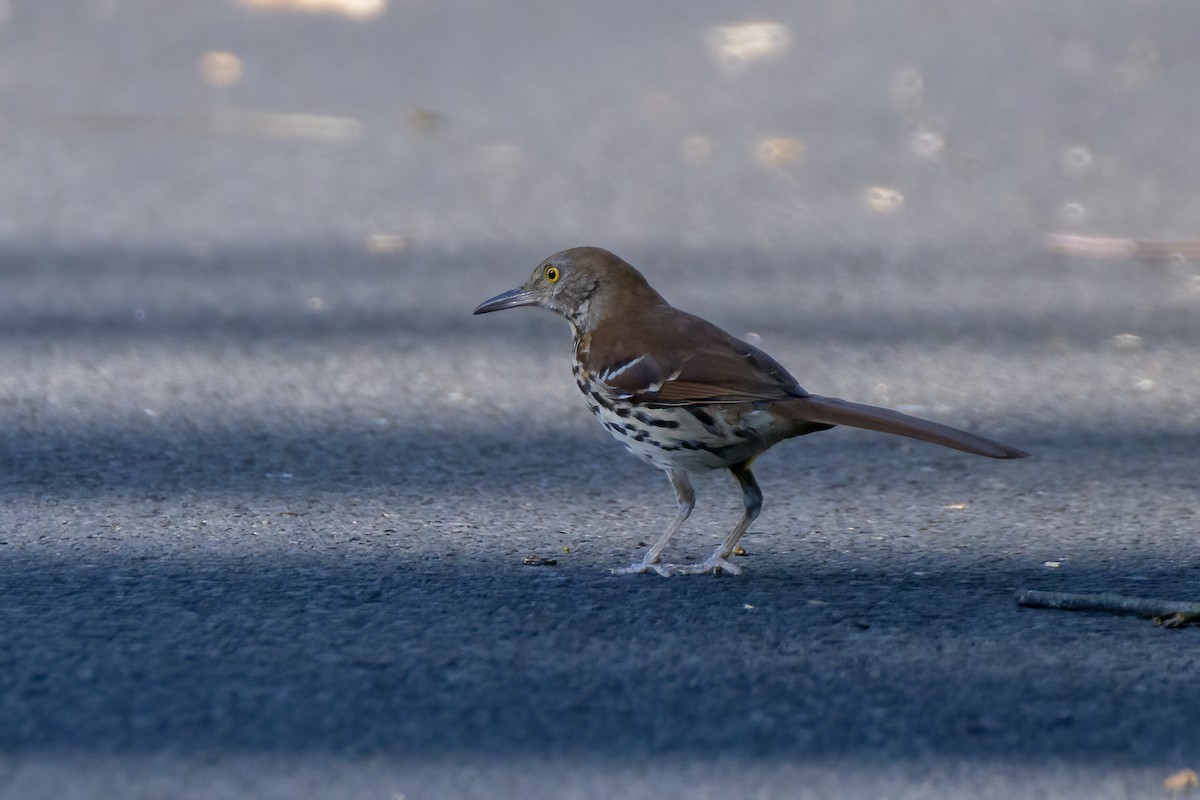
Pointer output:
x,y
832,411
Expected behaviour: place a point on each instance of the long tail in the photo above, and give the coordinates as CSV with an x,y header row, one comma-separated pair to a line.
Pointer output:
x,y
832,411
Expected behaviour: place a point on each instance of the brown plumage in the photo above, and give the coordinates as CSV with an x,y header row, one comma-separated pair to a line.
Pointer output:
x,y
684,395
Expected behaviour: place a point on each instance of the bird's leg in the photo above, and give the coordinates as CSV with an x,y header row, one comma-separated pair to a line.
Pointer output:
x,y
752,498
687,501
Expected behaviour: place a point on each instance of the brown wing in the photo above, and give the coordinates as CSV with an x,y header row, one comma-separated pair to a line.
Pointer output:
x,y
693,362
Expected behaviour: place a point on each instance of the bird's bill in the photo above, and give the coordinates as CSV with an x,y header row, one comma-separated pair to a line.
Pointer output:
x,y
510,299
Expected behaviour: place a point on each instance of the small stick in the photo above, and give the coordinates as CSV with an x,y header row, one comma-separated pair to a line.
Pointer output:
x,y
1168,613
1119,247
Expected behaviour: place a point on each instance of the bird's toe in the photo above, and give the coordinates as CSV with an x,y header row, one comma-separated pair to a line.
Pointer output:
x,y
714,564
636,569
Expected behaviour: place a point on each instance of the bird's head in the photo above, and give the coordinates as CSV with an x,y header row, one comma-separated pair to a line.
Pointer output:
x,y
581,284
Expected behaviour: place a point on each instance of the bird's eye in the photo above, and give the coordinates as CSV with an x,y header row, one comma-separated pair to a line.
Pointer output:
x,y
552,274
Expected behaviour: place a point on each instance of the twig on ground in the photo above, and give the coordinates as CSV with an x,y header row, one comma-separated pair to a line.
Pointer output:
x,y
1168,613
1119,247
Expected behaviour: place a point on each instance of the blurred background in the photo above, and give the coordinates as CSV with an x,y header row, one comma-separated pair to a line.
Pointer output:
x,y
266,486
880,157
393,123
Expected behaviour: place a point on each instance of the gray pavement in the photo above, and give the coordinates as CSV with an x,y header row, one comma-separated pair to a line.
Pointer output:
x,y
266,486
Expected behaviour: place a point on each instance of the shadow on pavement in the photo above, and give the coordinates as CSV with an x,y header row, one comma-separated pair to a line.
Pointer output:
x,y
397,657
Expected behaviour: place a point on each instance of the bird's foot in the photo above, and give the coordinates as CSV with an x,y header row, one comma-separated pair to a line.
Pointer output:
x,y
716,564
666,570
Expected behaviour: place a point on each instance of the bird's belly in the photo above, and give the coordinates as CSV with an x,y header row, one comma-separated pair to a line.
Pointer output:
x,y
690,438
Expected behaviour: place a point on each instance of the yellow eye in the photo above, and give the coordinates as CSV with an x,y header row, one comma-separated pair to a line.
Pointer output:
x,y
552,274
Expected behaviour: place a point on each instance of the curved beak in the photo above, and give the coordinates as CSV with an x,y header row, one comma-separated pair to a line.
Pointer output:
x,y
510,299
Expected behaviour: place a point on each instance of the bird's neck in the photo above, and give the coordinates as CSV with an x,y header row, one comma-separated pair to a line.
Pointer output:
x,y
580,318
605,307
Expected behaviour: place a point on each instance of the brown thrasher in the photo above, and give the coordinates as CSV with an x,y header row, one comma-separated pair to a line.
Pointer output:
x,y
684,395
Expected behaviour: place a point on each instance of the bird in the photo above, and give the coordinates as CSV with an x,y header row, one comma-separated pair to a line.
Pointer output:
x,y
685,396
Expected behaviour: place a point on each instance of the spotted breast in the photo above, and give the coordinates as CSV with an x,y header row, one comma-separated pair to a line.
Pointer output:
x,y
674,436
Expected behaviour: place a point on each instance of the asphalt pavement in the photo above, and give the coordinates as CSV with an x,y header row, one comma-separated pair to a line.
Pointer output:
x,y
267,489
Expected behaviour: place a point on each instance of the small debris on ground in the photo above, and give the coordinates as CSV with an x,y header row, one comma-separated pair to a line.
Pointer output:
x,y
1182,781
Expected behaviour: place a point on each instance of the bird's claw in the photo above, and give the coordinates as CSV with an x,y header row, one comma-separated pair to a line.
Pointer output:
x,y
665,570
715,564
